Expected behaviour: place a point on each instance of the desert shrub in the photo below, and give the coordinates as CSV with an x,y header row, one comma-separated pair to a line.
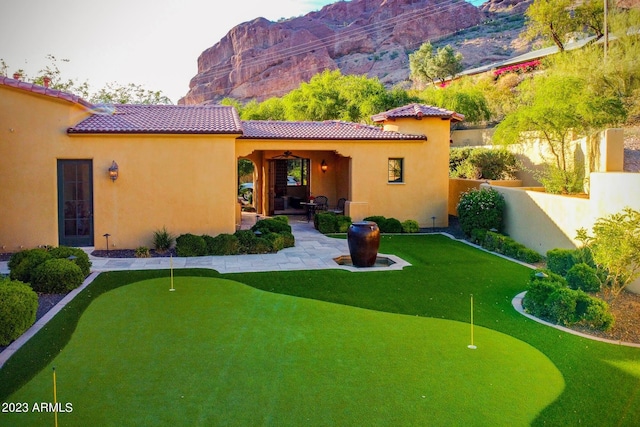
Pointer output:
x,y
18,306
271,225
410,226
482,209
142,252
56,276
458,157
561,260
81,257
190,245
24,263
482,163
582,276
391,225
222,244
163,240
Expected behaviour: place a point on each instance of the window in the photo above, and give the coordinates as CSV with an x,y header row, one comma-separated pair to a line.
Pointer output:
x,y
395,170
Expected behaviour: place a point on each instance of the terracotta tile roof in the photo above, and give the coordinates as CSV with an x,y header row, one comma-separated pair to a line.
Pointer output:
x,y
54,93
331,129
417,111
170,119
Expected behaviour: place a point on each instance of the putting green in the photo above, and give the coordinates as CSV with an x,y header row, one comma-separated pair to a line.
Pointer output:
x,y
217,352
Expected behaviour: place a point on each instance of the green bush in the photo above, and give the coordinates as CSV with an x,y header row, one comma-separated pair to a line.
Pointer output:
x,y
507,246
18,306
343,223
478,236
327,222
457,158
24,263
378,219
57,276
190,245
561,260
481,209
276,241
535,300
410,226
596,314
391,225
482,163
271,225
289,239
222,244
282,218
561,306
582,276
81,257
246,240
163,240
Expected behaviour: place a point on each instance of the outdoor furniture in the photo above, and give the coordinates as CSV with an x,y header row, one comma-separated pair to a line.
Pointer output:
x,y
311,209
339,209
322,203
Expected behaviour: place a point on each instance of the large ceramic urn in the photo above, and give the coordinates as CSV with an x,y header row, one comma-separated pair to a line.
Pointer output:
x,y
364,241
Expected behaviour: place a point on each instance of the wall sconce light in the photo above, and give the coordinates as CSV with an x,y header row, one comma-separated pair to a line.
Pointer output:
x,y
324,166
113,171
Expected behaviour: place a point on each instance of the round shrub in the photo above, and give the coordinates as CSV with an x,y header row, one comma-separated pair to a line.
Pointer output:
x,y
391,225
24,263
581,276
410,226
81,257
481,209
246,239
57,276
378,219
271,225
562,306
561,260
535,300
327,222
18,306
222,244
190,245
276,241
596,314
343,223
142,252
289,239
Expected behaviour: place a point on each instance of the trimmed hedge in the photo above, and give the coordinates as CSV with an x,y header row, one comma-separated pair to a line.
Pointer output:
x,y
561,260
222,244
23,264
410,226
272,225
330,222
18,307
583,276
81,257
57,276
504,245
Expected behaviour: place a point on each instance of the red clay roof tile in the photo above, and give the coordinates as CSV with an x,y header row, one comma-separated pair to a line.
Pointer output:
x,y
54,93
417,111
170,119
331,129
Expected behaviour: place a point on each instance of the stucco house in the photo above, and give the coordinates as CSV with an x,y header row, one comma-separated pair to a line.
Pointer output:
x,y
71,172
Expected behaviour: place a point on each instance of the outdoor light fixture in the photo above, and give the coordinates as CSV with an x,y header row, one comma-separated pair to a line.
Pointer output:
x,y
324,166
113,171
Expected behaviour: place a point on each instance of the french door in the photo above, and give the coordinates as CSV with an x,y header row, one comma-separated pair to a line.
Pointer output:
x,y
75,202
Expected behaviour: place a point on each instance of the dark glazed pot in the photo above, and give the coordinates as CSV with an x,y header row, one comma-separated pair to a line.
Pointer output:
x,y
364,241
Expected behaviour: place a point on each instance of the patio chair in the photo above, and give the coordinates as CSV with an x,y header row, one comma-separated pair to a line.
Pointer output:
x,y
339,209
322,203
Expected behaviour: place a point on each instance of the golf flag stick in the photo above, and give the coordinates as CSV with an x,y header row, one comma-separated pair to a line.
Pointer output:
x,y
171,267
471,346
55,399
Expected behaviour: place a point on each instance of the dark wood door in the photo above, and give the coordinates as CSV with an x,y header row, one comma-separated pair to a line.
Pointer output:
x,y
75,202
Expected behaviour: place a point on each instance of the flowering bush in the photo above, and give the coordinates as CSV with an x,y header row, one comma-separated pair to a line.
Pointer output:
x,y
525,67
481,209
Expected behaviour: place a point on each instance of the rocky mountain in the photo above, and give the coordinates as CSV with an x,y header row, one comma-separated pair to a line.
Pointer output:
x,y
262,59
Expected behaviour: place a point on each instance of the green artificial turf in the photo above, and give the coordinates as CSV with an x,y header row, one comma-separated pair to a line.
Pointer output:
x,y
602,381
219,352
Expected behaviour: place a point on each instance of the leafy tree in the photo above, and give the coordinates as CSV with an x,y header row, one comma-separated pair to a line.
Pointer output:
x,y
270,109
556,107
428,64
461,98
615,247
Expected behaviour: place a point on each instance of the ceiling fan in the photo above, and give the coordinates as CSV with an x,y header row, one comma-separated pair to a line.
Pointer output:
x,y
286,155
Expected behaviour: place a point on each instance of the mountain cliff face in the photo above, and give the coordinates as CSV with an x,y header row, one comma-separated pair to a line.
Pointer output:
x,y
262,59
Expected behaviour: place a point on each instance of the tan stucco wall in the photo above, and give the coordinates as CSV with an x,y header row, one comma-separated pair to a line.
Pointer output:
x,y
186,183
364,164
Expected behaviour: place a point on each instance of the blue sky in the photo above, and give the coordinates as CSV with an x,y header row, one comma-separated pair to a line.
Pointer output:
x,y
155,43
